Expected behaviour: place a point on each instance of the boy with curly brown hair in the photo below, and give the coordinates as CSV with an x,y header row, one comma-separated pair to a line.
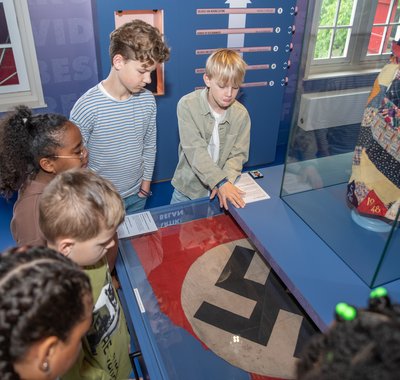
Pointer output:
x,y
117,117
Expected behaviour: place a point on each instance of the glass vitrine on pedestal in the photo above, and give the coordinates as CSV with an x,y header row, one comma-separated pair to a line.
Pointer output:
x,y
314,185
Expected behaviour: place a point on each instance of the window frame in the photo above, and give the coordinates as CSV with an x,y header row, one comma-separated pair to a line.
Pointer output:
x,y
357,62
30,91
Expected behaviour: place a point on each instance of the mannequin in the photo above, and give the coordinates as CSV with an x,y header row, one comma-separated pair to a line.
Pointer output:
x,y
373,190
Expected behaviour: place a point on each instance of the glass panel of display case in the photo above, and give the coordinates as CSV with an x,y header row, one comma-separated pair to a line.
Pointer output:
x,y
343,180
198,288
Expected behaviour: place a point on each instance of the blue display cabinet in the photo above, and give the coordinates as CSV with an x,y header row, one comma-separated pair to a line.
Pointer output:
x,y
202,302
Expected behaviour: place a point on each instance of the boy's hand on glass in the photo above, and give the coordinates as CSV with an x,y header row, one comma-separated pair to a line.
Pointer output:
x,y
229,192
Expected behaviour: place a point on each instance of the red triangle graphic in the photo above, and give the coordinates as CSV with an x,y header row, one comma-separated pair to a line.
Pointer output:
x,y
372,205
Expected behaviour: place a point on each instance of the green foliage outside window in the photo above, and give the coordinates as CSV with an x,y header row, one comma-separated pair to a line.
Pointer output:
x,y
333,29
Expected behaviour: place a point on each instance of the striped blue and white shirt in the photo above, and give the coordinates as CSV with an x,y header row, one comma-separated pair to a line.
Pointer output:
x,y
120,136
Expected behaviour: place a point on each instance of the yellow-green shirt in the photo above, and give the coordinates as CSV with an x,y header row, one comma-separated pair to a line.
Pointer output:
x,y
105,348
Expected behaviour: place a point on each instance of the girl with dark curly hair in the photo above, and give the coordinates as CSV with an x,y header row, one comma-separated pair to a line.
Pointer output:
x,y
33,149
45,309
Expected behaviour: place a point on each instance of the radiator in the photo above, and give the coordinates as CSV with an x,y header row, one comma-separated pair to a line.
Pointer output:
x,y
331,109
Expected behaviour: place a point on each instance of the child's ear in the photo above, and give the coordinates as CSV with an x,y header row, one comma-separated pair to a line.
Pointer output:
x,y
118,61
47,165
46,352
206,80
65,246
39,360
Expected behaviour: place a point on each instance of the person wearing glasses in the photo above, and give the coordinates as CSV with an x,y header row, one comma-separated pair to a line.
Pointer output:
x,y
33,149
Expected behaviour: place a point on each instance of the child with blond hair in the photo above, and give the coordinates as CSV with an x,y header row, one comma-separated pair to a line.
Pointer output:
x,y
79,213
214,131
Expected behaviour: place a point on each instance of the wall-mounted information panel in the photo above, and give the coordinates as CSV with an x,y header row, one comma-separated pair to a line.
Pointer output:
x,y
261,30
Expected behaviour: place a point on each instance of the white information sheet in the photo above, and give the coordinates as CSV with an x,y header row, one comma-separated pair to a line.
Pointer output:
x,y
136,224
253,190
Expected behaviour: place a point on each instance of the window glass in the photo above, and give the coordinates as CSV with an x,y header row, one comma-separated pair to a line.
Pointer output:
x,y
350,36
339,48
376,39
393,35
334,29
8,71
396,13
382,12
4,34
322,48
345,13
385,28
19,71
328,13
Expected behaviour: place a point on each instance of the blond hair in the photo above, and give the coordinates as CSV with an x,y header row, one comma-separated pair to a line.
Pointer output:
x,y
227,66
79,204
139,41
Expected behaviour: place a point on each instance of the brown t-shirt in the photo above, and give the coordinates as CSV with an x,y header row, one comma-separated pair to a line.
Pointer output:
x,y
25,221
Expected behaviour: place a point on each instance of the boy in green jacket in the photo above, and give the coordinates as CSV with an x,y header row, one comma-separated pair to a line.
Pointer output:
x,y
214,131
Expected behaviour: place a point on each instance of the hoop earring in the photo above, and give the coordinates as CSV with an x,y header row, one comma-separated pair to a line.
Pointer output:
x,y
45,367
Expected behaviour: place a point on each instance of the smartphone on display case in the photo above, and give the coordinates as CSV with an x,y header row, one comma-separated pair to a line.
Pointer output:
x,y
256,174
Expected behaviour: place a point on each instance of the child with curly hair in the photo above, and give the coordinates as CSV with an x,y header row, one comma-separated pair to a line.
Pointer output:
x,y
362,345
117,117
33,149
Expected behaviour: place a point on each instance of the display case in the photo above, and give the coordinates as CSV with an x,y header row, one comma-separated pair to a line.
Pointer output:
x,y
316,186
203,303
